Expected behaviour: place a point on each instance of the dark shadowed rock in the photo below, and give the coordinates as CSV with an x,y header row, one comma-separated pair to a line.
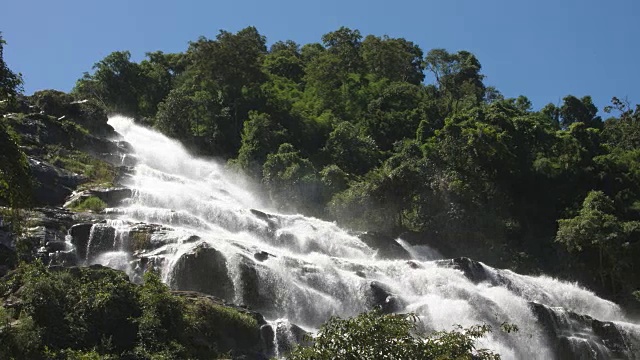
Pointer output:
x,y
53,184
250,283
80,238
112,196
63,258
387,246
379,295
575,336
221,333
268,336
288,335
53,246
101,239
262,255
203,269
472,269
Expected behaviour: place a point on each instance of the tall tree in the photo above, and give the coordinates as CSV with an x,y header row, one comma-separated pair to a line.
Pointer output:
x,y
457,76
393,59
10,82
115,83
582,110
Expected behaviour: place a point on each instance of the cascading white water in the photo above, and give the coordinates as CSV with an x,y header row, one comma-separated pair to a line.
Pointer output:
x,y
310,269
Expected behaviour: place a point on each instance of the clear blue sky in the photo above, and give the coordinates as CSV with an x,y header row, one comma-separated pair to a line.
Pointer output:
x,y
542,49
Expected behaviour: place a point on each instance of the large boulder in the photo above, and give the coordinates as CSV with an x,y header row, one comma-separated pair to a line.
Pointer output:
x,y
52,184
379,295
387,246
575,336
79,234
203,269
102,238
472,269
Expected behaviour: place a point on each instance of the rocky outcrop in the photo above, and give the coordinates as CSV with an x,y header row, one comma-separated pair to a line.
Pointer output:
x,y
378,295
79,234
242,342
112,196
52,184
387,247
203,269
46,234
472,269
575,336
101,239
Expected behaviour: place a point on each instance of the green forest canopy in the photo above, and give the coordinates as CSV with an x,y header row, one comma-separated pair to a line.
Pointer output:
x,y
376,134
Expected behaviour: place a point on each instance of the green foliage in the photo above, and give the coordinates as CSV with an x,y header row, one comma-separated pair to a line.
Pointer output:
x,y
96,313
260,136
597,228
53,102
397,151
161,321
351,150
97,172
15,175
374,335
10,82
91,203
114,83
289,177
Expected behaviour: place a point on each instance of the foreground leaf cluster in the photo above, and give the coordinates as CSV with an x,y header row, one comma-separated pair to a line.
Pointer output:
x,y
375,335
97,313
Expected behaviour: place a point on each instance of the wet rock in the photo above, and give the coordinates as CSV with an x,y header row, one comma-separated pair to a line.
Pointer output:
x,y
268,337
80,238
256,294
472,269
6,234
381,296
203,269
575,336
8,258
288,335
270,219
262,255
53,184
260,214
63,258
387,247
53,246
112,197
118,159
101,239
250,284
144,237
52,217
39,236
221,333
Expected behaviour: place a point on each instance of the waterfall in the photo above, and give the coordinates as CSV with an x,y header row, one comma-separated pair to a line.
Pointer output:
x,y
205,229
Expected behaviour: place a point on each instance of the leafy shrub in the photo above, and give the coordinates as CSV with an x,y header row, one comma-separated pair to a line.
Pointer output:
x,y
91,203
375,335
98,172
96,313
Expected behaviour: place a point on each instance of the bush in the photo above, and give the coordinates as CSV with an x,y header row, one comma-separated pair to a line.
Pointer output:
x,y
375,335
96,313
91,203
